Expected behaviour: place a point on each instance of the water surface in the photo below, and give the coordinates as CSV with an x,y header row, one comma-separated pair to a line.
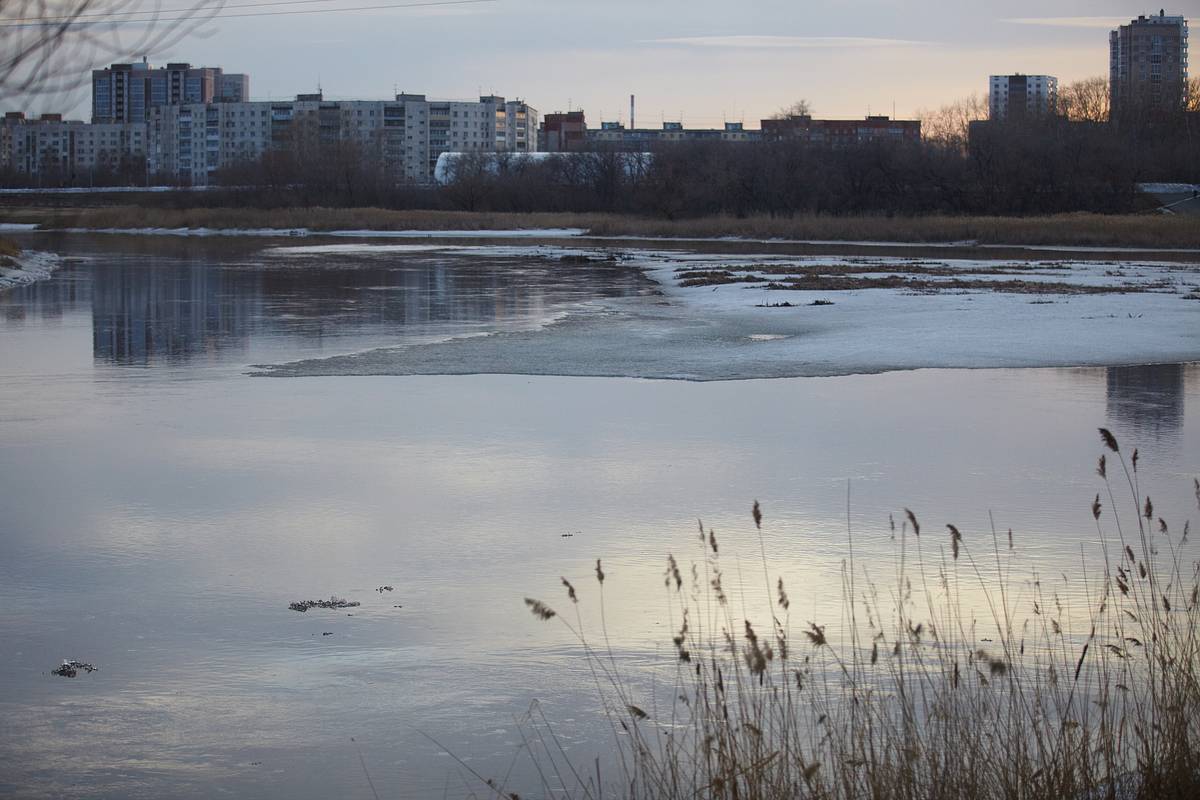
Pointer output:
x,y
160,509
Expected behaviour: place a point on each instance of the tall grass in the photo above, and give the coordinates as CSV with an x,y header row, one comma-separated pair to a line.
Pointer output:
x,y
1063,229
898,698
1093,230
313,218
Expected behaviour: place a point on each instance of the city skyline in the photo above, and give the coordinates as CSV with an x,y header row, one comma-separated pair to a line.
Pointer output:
x,y
740,64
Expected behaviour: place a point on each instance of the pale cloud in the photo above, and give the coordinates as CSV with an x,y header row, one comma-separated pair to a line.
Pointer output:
x,y
782,42
1070,22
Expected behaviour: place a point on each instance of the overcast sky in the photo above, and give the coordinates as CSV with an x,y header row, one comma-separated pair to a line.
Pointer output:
x,y
700,60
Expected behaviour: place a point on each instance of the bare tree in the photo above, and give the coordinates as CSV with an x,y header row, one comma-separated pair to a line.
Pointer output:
x,y
800,108
1086,100
1193,95
48,46
950,124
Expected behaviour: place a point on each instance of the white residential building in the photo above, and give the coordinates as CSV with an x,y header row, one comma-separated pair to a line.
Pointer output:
x,y
1013,97
70,150
405,135
189,142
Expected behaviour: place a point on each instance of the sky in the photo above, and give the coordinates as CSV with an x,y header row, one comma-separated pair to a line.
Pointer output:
x,y
697,61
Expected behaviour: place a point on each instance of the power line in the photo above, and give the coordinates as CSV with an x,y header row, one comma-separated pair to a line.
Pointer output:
x,y
190,12
142,12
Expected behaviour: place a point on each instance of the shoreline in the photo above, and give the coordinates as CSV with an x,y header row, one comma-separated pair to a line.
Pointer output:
x,y
1083,230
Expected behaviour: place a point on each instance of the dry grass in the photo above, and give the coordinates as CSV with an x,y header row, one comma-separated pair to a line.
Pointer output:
x,y
1091,230
316,219
9,248
1064,229
897,699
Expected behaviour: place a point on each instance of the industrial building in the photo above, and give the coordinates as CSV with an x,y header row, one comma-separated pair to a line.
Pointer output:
x,y
612,134
562,132
841,132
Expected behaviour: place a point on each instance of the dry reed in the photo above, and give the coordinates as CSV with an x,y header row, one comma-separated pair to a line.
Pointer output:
x,y
901,701
1082,229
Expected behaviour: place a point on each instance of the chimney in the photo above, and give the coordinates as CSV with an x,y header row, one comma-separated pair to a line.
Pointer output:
x,y
631,109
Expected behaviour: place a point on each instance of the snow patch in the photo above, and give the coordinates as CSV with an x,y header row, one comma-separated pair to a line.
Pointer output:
x,y
356,249
272,232
516,233
110,189
28,267
1168,188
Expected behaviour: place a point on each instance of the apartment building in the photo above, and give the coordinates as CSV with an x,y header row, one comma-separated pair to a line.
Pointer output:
x,y
70,151
405,136
130,92
1148,65
189,142
841,132
1017,97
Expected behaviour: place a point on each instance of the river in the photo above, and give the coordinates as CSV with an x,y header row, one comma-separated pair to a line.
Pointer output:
x,y
161,504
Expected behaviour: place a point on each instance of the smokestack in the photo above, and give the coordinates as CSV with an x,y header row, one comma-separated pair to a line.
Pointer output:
x,y
631,108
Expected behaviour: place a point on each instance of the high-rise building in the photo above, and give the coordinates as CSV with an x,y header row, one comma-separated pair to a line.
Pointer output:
x,y
1016,97
129,92
233,87
1148,65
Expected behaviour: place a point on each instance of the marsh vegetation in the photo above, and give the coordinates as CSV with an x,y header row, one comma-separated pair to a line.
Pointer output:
x,y
963,674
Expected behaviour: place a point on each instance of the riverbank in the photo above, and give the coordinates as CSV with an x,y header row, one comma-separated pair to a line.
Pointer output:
x,y
19,267
1072,230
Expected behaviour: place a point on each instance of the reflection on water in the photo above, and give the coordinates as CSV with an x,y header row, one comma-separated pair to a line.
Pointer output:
x,y
171,565
171,313
188,300
45,300
1148,401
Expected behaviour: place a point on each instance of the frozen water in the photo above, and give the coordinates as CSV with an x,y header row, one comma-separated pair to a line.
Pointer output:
x,y
1151,315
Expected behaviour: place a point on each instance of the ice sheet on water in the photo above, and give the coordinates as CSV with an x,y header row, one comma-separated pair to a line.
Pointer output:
x,y
515,233
356,249
730,331
520,233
